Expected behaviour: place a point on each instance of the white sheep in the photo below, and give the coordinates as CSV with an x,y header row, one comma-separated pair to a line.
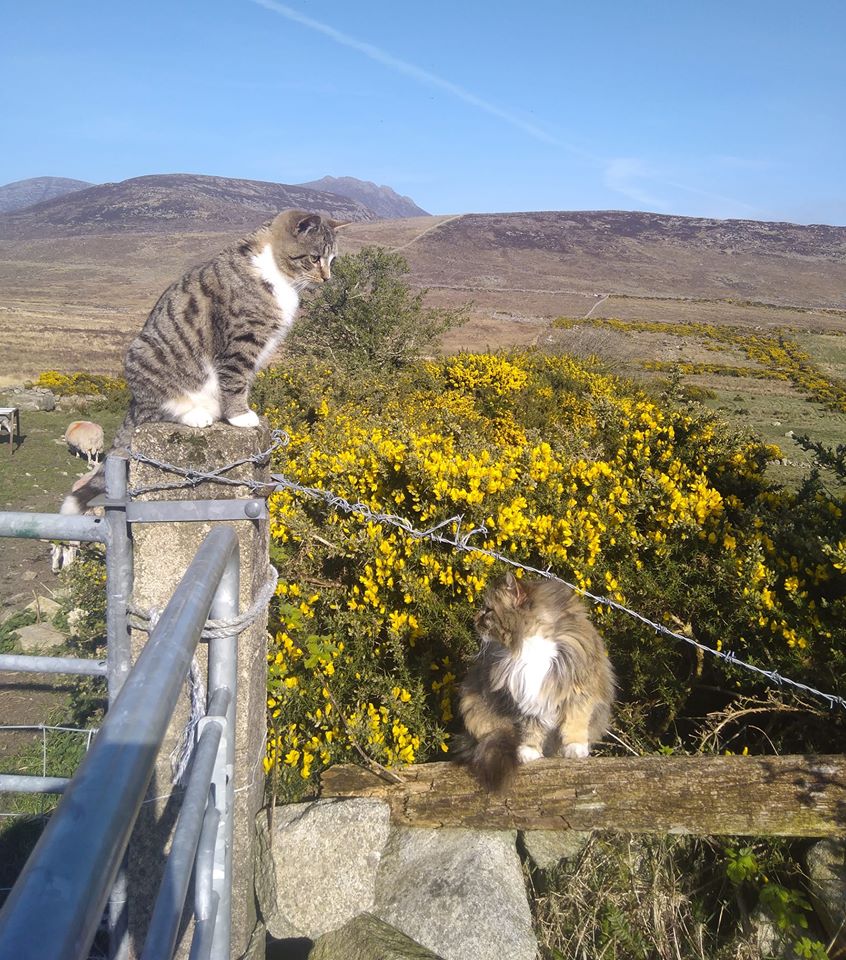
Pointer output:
x,y
63,552
85,437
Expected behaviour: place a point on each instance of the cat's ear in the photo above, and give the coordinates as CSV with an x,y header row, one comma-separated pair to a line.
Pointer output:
x,y
307,224
516,591
339,224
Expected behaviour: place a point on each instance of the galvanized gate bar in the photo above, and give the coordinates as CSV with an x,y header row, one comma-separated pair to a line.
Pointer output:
x,y
53,526
164,924
118,575
223,675
29,783
79,852
21,663
119,579
206,899
192,511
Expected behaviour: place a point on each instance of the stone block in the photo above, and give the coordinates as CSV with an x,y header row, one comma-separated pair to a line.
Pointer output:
x,y
368,938
547,848
826,865
39,638
327,854
458,892
45,608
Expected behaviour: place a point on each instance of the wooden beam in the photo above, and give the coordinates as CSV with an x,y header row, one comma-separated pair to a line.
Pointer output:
x,y
794,796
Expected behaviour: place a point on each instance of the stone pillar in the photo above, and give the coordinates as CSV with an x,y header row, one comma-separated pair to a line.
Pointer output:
x,y
162,552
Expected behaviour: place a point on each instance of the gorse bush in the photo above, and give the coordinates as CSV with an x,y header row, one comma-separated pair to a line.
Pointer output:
x,y
557,465
367,318
84,384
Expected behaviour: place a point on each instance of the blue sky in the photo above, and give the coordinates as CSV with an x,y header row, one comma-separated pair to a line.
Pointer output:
x,y
722,108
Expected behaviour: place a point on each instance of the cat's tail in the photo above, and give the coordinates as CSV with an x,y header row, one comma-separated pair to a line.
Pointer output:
x,y
492,759
93,483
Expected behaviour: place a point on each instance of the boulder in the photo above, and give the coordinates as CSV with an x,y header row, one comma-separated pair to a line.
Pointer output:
x,y
770,941
825,862
39,638
458,892
368,938
45,608
326,853
547,848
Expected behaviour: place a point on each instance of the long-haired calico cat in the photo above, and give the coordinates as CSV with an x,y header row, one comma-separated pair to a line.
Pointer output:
x,y
541,684
210,332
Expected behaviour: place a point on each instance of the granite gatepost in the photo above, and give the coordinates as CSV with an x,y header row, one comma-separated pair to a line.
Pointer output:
x,y
162,552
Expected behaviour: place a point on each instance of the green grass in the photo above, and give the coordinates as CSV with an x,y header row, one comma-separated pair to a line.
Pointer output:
x,y
41,470
35,478
826,349
771,416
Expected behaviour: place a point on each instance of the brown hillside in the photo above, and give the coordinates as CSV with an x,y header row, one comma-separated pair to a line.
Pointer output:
x,y
72,298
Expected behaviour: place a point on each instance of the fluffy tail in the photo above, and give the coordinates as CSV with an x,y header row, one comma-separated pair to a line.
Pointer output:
x,y
93,483
492,759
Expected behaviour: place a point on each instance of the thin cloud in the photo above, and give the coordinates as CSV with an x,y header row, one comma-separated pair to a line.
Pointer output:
x,y
632,177
622,174
411,70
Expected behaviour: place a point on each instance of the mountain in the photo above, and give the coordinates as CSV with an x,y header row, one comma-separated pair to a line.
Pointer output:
x,y
533,262
383,201
24,193
172,203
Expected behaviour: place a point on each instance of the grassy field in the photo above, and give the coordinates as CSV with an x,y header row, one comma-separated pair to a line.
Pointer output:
x,y
35,477
739,372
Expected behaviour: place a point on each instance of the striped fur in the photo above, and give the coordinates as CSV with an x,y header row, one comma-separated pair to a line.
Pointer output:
x,y
541,684
210,332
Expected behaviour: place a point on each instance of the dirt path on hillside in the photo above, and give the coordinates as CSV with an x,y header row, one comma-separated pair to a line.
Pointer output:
x,y
597,304
430,229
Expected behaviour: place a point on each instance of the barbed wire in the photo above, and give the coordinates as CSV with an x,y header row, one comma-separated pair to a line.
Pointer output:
x,y
460,541
193,476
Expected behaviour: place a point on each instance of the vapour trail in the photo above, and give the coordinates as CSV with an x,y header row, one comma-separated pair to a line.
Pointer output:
x,y
414,72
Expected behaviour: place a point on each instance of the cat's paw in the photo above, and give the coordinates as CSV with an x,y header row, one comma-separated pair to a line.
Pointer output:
x,y
248,419
197,417
576,751
527,754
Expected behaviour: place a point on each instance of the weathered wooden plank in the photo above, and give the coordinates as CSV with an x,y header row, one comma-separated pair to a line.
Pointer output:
x,y
794,796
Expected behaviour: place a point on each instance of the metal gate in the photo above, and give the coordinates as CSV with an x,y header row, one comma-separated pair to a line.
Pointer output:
x,y
76,869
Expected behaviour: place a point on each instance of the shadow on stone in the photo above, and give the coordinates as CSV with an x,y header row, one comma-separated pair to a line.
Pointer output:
x,y
291,948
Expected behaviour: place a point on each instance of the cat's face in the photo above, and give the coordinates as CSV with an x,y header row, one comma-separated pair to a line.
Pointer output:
x,y
304,246
502,612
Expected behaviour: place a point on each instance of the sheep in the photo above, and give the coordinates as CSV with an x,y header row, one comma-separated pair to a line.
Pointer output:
x,y
85,437
63,552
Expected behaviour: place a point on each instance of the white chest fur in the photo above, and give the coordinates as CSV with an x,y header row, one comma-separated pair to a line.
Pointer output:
x,y
528,672
286,297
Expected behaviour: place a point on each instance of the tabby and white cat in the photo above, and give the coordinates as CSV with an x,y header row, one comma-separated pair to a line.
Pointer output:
x,y
210,332
541,684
